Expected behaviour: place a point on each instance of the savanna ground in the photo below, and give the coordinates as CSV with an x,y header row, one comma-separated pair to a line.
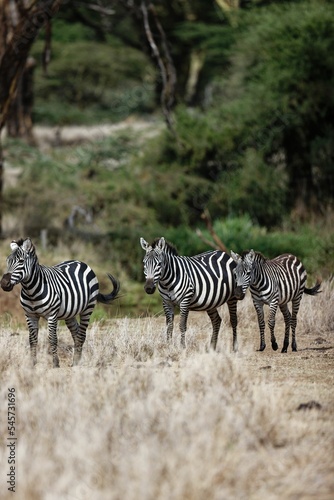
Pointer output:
x,y
140,419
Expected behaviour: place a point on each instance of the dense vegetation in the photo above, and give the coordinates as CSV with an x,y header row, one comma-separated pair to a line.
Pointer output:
x,y
252,135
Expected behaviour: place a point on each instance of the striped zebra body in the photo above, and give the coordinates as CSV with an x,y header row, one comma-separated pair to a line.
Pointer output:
x,y
274,282
199,283
63,291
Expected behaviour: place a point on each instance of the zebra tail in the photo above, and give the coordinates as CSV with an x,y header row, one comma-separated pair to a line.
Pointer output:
x,y
314,290
108,298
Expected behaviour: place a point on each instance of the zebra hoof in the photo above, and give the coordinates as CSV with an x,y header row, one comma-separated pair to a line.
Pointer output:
x,y
284,349
274,346
262,348
294,348
55,361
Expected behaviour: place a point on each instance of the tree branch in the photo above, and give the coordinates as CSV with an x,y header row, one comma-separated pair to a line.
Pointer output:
x,y
217,242
167,70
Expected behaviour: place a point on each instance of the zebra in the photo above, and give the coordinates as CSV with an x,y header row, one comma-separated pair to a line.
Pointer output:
x,y
59,292
275,282
199,283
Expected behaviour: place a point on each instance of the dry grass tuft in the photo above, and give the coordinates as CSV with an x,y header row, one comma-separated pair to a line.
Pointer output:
x,y
140,419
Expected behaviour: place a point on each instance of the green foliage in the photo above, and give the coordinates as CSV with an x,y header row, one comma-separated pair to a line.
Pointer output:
x,y
240,233
257,187
186,240
265,141
312,245
126,199
68,33
212,41
286,66
264,128
93,81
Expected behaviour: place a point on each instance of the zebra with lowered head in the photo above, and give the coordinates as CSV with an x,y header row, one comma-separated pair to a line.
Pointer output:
x,y
199,283
59,292
275,282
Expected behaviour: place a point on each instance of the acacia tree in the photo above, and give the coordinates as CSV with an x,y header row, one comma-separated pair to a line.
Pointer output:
x,y
20,22
172,34
266,135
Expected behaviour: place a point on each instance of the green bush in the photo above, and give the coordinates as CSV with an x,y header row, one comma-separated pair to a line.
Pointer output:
x,y
92,81
258,189
264,139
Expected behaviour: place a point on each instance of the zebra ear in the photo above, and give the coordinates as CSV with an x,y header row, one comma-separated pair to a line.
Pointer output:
x,y
235,256
249,258
14,246
161,243
144,244
27,245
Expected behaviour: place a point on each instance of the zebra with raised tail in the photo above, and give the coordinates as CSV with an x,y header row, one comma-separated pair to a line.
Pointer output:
x,y
275,282
59,292
199,283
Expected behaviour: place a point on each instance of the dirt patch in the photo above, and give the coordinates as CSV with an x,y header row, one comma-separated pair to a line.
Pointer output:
x,y
10,307
74,134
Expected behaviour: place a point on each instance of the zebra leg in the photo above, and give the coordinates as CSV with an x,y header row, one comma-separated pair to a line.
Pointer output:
x,y
184,312
169,313
262,325
73,327
232,307
216,322
33,337
52,324
79,332
295,309
287,320
271,323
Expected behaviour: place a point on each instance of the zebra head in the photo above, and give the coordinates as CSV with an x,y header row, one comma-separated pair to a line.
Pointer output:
x,y
243,272
19,264
153,263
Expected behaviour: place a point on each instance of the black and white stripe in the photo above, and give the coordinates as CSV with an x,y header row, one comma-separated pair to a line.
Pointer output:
x,y
199,283
275,282
60,292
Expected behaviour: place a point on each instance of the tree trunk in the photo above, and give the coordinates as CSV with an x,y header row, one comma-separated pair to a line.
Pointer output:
x,y
20,22
301,183
19,119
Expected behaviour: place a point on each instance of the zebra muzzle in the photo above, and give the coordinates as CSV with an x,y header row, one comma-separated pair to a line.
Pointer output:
x,y
149,287
239,293
5,283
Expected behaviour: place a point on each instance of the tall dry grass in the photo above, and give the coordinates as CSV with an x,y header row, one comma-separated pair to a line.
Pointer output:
x,y
141,420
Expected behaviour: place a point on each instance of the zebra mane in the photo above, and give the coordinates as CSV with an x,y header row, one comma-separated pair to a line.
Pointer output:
x,y
258,255
169,247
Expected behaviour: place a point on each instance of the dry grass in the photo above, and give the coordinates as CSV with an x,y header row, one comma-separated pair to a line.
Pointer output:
x,y
143,420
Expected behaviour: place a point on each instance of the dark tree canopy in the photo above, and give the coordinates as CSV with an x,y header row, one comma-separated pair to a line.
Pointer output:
x,y
245,87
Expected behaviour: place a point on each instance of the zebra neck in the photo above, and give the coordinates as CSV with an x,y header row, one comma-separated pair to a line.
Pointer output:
x,y
258,270
37,275
168,264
